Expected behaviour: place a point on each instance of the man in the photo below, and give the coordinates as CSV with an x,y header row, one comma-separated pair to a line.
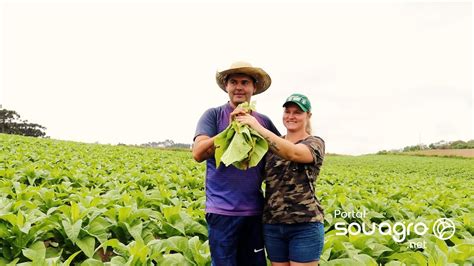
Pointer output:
x,y
234,199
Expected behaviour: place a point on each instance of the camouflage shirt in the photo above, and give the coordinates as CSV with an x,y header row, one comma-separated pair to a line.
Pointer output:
x,y
290,196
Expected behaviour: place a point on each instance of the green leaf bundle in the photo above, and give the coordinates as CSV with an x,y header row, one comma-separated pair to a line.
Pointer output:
x,y
239,144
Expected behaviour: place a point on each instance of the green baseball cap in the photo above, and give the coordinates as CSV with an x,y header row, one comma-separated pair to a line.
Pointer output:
x,y
301,100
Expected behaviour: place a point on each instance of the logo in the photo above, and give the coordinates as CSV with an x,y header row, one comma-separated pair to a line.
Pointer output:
x,y
257,250
444,228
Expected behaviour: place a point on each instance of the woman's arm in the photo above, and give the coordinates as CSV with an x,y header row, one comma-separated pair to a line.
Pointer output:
x,y
299,153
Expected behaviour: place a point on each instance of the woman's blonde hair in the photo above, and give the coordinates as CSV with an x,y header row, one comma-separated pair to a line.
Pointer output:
x,y
308,123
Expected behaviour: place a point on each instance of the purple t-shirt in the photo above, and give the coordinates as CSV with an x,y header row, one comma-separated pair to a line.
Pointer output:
x,y
229,190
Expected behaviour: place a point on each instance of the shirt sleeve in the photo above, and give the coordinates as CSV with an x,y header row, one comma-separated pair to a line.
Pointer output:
x,y
317,148
207,124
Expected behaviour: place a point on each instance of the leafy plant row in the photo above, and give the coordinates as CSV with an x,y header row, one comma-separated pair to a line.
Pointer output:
x,y
66,203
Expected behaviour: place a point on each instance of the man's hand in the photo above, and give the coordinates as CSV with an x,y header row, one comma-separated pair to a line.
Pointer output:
x,y
237,112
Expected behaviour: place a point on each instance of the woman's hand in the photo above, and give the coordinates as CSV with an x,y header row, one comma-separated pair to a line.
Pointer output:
x,y
249,120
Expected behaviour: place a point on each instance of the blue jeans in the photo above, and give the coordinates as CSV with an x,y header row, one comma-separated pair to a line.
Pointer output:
x,y
235,240
301,242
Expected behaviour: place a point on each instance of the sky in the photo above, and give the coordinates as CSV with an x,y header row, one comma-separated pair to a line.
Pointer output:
x,y
380,76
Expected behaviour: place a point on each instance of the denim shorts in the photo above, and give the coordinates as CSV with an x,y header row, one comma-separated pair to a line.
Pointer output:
x,y
301,242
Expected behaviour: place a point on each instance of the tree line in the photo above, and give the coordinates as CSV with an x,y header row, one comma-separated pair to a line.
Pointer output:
x,y
11,123
443,145
440,145
166,144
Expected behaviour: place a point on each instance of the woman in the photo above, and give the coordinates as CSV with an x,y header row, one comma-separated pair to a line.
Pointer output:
x,y
293,217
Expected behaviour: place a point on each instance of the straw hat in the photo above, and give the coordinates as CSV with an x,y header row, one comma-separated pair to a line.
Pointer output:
x,y
263,80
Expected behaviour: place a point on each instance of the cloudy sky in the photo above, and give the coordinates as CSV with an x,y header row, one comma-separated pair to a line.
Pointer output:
x,y
379,75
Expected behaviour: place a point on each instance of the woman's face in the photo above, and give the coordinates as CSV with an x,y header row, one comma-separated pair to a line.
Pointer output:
x,y
294,119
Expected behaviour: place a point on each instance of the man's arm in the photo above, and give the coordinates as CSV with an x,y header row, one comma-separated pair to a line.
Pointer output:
x,y
203,148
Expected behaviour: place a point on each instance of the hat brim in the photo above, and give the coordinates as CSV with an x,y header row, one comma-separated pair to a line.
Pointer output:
x,y
263,80
304,109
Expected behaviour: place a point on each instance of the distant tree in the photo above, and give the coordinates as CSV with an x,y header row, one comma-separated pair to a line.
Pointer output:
x,y
470,144
458,144
411,148
10,123
167,144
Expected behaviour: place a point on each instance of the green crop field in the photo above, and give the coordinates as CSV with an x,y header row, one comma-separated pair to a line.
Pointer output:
x,y
67,203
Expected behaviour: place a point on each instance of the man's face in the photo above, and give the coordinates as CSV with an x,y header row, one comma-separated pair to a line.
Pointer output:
x,y
240,88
